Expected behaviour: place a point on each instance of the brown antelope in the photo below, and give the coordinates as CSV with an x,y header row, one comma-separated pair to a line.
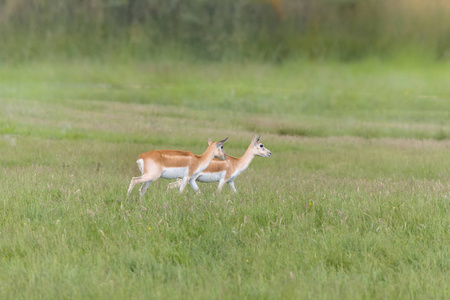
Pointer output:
x,y
171,164
226,171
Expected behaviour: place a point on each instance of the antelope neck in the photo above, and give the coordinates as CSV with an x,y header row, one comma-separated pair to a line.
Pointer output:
x,y
246,159
208,154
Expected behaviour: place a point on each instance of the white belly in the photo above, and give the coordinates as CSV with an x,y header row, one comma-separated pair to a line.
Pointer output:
x,y
170,173
211,177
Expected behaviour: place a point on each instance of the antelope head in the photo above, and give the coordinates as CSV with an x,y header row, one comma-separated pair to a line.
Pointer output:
x,y
258,148
218,148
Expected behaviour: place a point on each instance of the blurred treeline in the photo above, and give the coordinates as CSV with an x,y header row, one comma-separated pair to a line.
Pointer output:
x,y
272,30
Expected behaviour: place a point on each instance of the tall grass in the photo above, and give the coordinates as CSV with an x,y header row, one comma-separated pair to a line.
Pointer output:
x,y
355,209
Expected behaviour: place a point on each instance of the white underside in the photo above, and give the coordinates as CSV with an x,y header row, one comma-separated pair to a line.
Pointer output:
x,y
171,173
211,177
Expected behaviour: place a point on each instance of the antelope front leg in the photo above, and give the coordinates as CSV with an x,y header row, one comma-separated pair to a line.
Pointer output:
x,y
221,184
184,182
194,185
232,187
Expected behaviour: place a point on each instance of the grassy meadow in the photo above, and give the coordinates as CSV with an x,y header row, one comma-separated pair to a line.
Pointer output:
x,y
353,204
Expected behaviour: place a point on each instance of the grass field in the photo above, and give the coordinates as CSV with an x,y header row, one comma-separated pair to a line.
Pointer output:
x,y
353,204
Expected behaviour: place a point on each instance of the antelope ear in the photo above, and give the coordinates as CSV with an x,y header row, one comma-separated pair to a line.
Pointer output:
x,y
221,142
255,140
209,141
259,137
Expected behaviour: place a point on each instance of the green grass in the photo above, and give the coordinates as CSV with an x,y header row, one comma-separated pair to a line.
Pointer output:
x,y
353,203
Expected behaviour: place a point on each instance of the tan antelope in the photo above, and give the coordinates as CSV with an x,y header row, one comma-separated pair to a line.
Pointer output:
x,y
226,171
171,164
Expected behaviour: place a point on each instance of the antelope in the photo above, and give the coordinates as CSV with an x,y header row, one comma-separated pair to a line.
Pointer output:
x,y
171,164
226,171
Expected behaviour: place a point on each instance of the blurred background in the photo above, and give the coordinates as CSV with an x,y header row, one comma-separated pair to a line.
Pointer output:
x,y
314,68
263,30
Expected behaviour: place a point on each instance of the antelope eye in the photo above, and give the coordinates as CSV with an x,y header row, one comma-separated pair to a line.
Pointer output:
x,y
221,147
261,146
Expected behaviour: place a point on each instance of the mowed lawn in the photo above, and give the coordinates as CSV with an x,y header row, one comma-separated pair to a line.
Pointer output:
x,y
354,202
